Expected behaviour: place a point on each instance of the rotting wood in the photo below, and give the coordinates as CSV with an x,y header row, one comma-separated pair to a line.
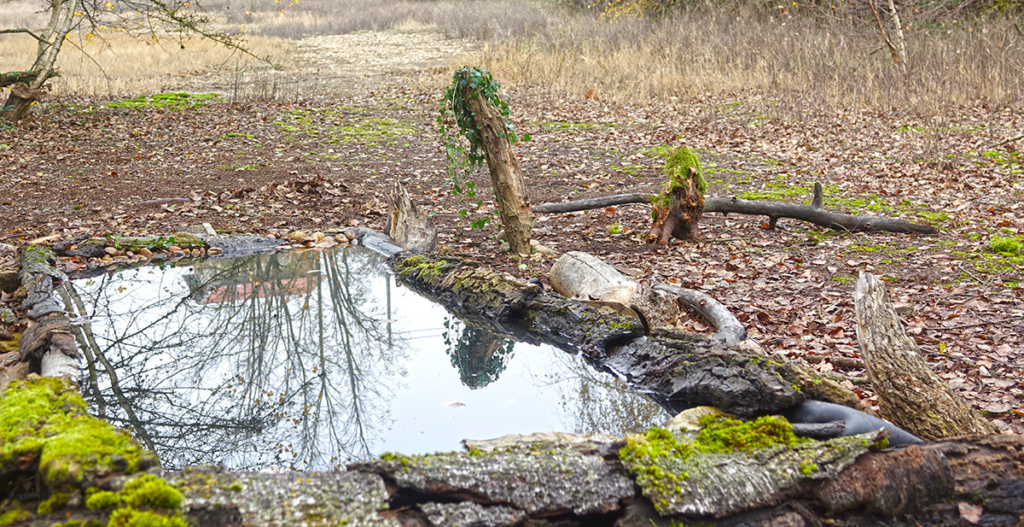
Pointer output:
x,y
728,329
910,394
813,213
406,225
677,210
510,194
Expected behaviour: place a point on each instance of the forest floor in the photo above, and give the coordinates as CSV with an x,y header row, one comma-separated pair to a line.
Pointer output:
x,y
318,151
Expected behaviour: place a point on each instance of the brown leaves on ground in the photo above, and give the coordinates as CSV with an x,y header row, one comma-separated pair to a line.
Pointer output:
x,y
270,167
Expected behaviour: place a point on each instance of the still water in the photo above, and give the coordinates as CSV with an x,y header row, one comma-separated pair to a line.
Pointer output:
x,y
310,360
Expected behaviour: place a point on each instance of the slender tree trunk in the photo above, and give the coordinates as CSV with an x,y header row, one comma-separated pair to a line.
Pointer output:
x,y
506,176
62,19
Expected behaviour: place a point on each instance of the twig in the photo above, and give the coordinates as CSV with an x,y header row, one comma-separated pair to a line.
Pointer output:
x,y
1003,142
966,326
164,200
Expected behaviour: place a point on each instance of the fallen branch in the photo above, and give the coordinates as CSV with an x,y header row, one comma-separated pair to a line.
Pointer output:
x,y
1004,141
729,330
813,213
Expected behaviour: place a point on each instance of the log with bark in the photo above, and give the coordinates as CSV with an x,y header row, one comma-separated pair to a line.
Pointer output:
x,y
909,393
813,213
48,345
676,369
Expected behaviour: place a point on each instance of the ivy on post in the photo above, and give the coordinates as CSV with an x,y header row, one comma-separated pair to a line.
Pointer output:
x,y
483,119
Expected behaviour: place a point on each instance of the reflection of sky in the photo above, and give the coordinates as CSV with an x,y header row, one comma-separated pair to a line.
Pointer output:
x,y
313,378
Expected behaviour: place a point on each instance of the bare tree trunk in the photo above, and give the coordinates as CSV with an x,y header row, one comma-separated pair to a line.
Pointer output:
x,y
911,395
901,46
506,176
62,19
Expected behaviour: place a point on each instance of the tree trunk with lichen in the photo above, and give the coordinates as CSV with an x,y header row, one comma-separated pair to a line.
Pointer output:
x,y
910,394
506,177
677,210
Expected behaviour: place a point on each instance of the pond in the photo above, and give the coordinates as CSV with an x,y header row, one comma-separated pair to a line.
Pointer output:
x,y
309,360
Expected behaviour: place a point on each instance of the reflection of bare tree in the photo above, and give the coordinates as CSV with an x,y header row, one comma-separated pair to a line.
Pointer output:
x,y
478,354
265,360
601,403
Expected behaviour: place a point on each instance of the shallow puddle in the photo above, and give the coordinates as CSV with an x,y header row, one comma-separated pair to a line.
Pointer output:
x,y
310,360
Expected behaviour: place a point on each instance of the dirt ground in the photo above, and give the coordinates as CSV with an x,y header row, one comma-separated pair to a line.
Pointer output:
x,y
323,154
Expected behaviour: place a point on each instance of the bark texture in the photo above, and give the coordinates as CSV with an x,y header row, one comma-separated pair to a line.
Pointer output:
x,y
510,193
48,345
910,394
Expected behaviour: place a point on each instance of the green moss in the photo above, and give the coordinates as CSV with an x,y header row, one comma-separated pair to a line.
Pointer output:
x,y
724,435
168,101
14,516
56,501
146,501
677,167
44,417
807,468
133,518
1007,245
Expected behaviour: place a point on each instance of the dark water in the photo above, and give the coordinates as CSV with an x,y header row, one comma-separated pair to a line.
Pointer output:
x,y
310,360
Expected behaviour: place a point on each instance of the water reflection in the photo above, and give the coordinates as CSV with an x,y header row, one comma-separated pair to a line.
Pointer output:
x,y
309,360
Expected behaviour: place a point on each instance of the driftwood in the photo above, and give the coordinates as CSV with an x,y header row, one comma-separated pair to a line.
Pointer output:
x,y
510,194
813,213
585,277
910,394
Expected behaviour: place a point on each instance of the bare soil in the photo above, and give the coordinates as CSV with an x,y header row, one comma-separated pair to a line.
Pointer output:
x,y
360,111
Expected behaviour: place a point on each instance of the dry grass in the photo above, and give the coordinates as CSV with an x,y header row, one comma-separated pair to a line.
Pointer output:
x,y
807,64
118,65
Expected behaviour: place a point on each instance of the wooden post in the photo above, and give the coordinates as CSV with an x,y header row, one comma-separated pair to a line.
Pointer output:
x,y
506,176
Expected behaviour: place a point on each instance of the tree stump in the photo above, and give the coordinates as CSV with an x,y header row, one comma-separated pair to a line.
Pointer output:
x,y
678,208
19,101
910,394
407,226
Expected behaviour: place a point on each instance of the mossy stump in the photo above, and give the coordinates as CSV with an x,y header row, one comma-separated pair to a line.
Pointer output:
x,y
678,209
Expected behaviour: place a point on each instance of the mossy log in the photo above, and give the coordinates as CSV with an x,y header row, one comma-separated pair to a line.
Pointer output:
x,y
910,394
676,369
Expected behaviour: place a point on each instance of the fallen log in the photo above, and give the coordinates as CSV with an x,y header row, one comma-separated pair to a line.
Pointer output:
x,y
48,345
676,369
813,213
909,393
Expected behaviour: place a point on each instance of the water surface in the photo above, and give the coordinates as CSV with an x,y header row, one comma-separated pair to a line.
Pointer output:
x,y
310,360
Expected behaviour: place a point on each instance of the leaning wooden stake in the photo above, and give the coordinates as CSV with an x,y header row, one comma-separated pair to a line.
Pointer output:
x,y
506,176
910,394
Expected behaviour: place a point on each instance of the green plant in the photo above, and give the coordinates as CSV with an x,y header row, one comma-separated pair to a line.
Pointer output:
x,y
456,120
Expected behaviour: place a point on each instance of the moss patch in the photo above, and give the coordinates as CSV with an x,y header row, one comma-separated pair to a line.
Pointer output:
x,y
144,501
677,167
167,101
47,438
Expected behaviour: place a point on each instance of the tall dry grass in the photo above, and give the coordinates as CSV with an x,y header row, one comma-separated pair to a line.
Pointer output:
x,y
805,63
114,65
